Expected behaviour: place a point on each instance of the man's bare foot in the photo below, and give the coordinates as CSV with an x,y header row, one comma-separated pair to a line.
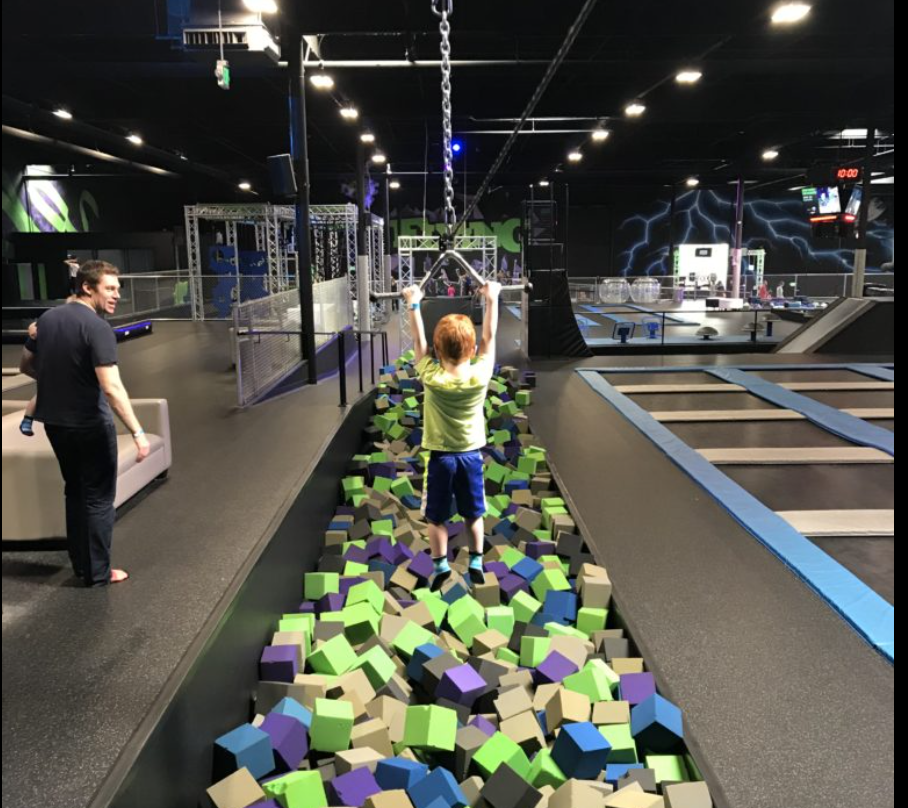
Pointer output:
x,y
118,576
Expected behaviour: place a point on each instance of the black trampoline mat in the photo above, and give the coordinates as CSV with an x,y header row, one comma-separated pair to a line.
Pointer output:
x,y
756,434
668,377
785,376
819,487
872,560
851,399
673,402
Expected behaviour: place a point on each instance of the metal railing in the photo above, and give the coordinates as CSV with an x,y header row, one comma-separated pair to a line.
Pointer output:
x,y
268,334
822,286
687,326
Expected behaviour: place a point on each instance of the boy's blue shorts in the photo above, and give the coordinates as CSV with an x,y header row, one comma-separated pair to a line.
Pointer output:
x,y
455,483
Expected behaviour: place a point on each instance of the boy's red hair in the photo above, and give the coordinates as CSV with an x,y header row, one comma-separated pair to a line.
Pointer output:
x,y
455,338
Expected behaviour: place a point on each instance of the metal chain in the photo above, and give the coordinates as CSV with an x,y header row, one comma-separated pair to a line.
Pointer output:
x,y
446,111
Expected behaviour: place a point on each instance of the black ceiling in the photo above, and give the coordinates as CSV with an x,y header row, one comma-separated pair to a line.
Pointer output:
x,y
113,64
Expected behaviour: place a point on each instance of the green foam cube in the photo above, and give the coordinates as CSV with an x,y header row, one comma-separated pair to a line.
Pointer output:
x,y
378,667
624,748
593,683
550,581
431,728
544,771
298,790
367,592
319,584
332,725
500,750
333,658
410,638
525,607
502,619
669,768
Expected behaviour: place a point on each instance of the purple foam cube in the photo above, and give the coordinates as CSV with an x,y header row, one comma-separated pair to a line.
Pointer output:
x,y
346,510
289,740
484,725
456,529
636,688
511,510
347,584
331,603
279,663
357,554
307,607
422,567
498,568
538,549
354,789
554,669
512,584
461,685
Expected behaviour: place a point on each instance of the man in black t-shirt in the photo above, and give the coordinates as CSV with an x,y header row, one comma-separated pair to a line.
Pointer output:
x,y
78,383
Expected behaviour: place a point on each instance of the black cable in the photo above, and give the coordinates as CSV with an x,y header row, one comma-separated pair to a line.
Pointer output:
x,y
553,68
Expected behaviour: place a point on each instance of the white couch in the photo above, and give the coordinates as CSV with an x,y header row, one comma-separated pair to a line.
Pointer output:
x,y
33,506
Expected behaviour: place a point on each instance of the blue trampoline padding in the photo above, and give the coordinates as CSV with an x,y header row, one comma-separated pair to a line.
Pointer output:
x,y
831,419
860,368
515,310
875,372
586,322
871,616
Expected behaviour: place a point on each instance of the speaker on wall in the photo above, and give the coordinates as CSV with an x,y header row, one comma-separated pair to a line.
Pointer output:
x,y
283,177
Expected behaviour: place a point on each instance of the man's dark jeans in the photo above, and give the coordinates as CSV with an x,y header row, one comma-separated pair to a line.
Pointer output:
x,y
88,462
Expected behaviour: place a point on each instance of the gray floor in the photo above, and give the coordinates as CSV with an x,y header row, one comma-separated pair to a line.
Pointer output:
x,y
818,488
81,668
754,434
766,672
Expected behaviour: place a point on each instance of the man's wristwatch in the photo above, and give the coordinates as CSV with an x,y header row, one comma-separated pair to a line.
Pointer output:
x,y
138,434
415,307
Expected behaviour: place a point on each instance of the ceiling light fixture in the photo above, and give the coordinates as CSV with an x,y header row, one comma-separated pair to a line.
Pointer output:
x,y
322,81
689,77
791,13
261,6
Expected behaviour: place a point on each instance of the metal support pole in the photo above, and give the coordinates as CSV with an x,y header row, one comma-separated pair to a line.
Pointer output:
x,y
363,303
342,366
860,254
372,353
359,350
738,259
300,150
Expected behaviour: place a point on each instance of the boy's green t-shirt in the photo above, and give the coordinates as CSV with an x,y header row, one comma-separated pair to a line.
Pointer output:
x,y
454,408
